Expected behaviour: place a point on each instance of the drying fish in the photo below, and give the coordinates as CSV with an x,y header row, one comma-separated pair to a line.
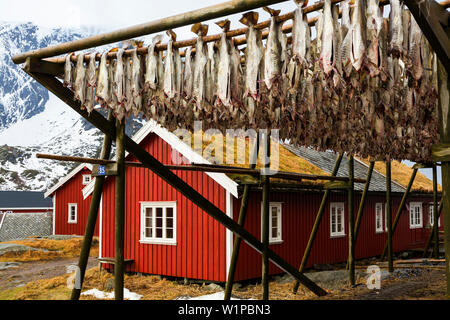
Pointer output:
x,y
358,35
396,29
346,47
80,80
300,35
128,71
211,74
169,68
102,92
151,74
68,71
253,55
224,68
374,26
136,83
337,42
326,56
273,64
188,79
415,49
91,77
119,79
236,78
201,59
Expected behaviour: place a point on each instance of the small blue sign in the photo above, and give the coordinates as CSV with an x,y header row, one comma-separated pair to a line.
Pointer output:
x,y
102,170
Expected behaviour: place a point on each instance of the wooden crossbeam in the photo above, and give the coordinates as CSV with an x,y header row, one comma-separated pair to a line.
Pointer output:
x,y
428,15
96,119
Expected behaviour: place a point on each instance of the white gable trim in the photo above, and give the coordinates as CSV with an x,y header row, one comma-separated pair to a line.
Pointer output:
x,y
152,127
67,178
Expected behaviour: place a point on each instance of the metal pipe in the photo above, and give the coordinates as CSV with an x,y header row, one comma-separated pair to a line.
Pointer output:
x,y
390,250
241,222
96,119
316,226
119,267
180,20
92,216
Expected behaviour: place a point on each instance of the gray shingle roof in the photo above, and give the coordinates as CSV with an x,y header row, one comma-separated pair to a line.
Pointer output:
x,y
24,199
327,160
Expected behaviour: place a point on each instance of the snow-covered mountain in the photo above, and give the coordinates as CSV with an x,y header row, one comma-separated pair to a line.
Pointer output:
x,y
32,120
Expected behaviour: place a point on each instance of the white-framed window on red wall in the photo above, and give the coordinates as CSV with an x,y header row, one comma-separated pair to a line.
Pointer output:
x,y
87,178
415,215
159,223
72,213
337,219
431,215
275,223
379,217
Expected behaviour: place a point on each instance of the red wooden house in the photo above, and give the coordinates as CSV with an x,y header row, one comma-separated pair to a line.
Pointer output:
x,y
70,207
166,234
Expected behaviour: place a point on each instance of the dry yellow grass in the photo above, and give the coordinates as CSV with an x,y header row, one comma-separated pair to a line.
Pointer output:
x,y
56,249
401,173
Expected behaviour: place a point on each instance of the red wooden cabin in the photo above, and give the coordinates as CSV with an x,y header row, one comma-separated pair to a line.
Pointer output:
x,y
166,234
70,207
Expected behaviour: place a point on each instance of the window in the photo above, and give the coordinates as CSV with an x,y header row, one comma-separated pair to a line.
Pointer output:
x,y
415,214
337,220
158,223
86,179
431,216
275,225
379,218
73,208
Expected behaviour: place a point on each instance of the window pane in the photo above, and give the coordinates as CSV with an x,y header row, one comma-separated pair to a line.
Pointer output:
x,y
159,217
169,213
274,233
149,212
159,233
169,223
148,232
169,233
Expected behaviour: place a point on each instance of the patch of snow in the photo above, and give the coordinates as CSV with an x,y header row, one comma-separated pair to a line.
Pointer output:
x,y
105,295
219,296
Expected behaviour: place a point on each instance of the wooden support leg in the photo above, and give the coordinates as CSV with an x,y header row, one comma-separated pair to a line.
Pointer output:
x,y
351,221
431,235
400,210
435,215
92,217
265,221
444,117
148,161
390,250
363,200
316,226
241,222
119,268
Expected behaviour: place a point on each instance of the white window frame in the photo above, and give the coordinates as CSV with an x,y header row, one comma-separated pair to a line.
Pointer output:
x,y
69,213
337,234
279,238
154,239
84,179
382,216
430,218
414,224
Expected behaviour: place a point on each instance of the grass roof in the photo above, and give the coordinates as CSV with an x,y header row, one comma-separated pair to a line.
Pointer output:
x,y
401,173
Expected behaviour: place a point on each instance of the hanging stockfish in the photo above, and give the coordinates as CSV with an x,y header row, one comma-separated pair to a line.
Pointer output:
x,y
374,26
170,82
358,35
201,59
128,71
80,80
102,92
326,56
68,76
253,57
137,83
211,83
238,111
120,86
396,29
224,68
91,78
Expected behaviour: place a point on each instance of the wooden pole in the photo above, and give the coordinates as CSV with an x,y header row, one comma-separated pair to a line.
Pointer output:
x,y
241,222
390,251
119,268
435,215
96,119
265,219
316,226
363,200
431,235
444,117
400,209
351,222
92,217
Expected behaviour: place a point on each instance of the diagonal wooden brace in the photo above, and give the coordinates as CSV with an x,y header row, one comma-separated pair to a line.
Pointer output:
x,y
96,119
